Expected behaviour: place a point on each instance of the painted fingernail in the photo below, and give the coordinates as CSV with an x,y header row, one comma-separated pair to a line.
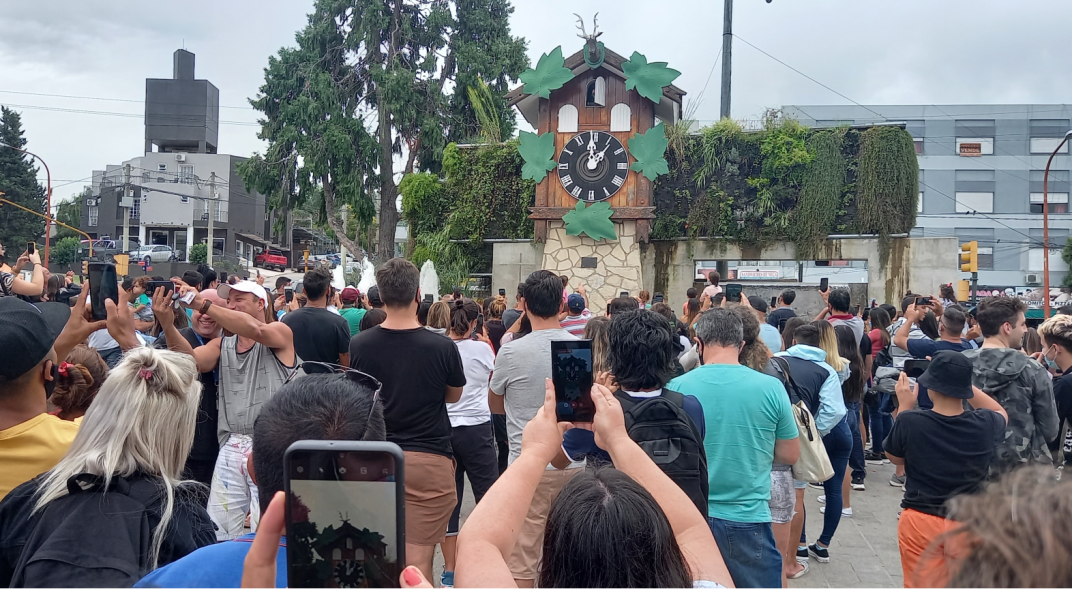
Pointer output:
x,y
412,577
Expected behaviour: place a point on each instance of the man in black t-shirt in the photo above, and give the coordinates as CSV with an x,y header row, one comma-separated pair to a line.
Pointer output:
x,y
784,310
202,458
319,334
946,452
950,327
421,372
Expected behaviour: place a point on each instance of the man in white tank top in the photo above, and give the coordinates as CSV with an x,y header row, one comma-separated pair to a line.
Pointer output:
x,y
255,357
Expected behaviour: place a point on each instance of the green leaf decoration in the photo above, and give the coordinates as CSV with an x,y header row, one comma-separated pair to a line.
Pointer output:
x,y
649,79
649,149
537,151
593,221
550,74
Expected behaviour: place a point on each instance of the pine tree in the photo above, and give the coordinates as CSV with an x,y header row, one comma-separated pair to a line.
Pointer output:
x,y
18,182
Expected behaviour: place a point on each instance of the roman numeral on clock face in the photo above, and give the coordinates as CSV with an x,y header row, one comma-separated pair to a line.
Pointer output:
x,y
566,180
595,136
618,180
579,140
591,195
619,151
605,191
576,191
563,166
623,165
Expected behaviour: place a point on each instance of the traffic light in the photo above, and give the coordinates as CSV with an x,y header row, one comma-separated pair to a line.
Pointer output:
x,y
969,257
85,267
122,262
963,290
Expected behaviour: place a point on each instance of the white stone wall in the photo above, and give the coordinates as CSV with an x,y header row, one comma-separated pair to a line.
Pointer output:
x,y
618,264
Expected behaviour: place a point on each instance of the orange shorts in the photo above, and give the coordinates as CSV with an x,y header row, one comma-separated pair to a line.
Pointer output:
x,y
916,531
430,497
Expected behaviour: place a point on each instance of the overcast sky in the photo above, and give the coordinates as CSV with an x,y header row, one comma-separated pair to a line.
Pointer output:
x,y
873,51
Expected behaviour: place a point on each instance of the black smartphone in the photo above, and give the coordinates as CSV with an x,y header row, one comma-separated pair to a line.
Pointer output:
x,y
152,285
773,302
781,325
571,373
502,292
624,293
429,298
299,287
222,277
855,311
288,294
658,298
30,246
733,293
824,284
923,301
103,285
345,514
916,368
479,326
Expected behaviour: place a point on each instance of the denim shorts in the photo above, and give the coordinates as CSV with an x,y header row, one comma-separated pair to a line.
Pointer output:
x,y
782,496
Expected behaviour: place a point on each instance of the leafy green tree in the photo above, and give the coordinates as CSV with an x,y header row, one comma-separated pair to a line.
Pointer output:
x,y
1066,255
18,182
69,211
198,253
364,90
66,251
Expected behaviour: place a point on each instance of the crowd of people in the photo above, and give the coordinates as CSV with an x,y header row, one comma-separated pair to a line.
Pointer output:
x,y
159,432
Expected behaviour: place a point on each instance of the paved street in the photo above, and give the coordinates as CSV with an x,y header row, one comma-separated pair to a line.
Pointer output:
x,y
864,551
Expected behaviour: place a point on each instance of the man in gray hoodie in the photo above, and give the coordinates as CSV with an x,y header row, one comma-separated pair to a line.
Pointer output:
x,y
1016,381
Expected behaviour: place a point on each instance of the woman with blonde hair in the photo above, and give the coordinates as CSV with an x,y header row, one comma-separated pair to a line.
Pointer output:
x,y
828,343
598,329
439,317
122,477
78,379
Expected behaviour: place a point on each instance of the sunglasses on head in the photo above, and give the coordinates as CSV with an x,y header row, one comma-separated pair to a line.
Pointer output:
x,y
356,376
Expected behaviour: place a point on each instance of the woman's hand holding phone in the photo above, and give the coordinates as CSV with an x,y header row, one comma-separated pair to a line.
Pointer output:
x,y
543,434
609,423
162,308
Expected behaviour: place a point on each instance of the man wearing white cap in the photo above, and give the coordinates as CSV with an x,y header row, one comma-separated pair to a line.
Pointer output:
x,y
254,362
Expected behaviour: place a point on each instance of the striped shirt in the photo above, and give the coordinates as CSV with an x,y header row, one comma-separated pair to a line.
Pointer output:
x,y
575,323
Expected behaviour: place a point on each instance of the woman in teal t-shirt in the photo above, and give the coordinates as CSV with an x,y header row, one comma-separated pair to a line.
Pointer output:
x,y
351,310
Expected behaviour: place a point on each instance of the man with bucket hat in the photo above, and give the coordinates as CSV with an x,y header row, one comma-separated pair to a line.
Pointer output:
x,y
946,451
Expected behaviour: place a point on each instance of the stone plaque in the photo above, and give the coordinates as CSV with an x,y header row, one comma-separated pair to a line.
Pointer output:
x,y
589,262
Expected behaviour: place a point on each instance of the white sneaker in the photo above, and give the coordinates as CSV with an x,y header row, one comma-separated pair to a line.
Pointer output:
x,y
845,512
822,499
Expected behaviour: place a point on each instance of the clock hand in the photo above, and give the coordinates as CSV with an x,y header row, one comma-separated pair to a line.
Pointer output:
x,y
594,161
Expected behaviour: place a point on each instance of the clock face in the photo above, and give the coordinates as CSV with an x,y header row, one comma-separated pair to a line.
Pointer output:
x,y
593,166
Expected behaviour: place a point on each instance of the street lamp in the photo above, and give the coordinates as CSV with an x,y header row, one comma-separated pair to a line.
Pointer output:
x,y
1046,227
48,196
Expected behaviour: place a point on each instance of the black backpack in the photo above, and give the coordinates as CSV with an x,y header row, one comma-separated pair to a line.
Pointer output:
x,y
663,429
94,537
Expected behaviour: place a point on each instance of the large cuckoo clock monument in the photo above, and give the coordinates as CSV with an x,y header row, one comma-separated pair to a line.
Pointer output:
x,y
599,144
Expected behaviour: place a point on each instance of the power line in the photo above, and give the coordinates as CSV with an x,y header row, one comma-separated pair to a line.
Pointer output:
x,y
127,115
110,99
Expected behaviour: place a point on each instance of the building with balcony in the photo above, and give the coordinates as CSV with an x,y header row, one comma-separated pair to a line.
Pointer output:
x,y
981,171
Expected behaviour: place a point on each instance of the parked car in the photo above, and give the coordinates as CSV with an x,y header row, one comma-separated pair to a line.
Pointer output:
x,y
271,259
153,253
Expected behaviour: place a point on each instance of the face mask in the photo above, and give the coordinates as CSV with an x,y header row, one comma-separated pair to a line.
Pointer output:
x,y
50,385
1051,364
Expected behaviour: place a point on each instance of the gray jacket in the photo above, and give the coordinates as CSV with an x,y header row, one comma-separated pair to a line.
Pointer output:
x,y
1023,388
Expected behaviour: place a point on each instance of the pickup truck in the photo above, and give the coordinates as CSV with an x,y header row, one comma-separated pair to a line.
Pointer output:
x,y
270,259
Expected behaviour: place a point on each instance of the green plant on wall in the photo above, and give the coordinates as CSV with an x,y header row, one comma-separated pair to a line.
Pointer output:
x,y
887,184
538,152
649,150
1066,255
549,74
198,253
820,194
424,202
648,79
487,192
594,221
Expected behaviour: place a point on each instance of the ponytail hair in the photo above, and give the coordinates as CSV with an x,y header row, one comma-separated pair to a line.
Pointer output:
x,y
78,379
462,313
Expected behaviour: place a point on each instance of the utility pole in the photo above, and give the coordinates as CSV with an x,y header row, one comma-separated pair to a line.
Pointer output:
x,y
342,250
727,57
211,203
126,214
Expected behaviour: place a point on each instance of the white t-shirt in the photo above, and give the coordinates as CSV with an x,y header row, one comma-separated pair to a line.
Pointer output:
x,y
520,371
478,360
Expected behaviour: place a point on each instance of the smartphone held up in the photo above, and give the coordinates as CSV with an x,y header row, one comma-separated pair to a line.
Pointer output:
x,y
345,514
571,373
